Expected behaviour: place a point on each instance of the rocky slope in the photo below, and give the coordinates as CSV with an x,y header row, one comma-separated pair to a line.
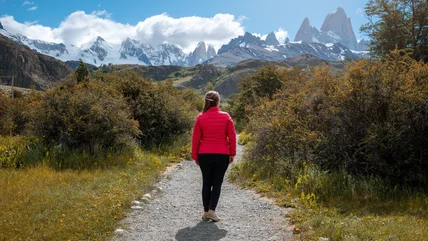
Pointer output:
x,y
224,79
29,67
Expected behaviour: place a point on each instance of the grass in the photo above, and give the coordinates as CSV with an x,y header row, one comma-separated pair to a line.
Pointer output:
x,y
405,219
41,203
338,206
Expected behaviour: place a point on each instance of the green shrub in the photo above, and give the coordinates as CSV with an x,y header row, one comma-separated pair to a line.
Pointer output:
x,y
264,84
84,116
15,113
162,111
245,138
20,152
371,120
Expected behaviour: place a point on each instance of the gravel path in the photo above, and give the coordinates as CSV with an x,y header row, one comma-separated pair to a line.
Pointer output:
x,y
176,209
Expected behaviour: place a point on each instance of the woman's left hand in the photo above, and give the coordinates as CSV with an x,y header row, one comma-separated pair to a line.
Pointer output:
x,y
231,159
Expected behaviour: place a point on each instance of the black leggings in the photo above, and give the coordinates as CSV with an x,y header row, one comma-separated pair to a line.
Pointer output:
x,y
213,167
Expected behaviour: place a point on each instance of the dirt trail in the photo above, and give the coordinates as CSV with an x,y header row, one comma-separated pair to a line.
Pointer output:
x,y
175,212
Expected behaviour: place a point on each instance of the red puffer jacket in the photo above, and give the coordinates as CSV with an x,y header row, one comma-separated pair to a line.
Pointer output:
x,y
213,133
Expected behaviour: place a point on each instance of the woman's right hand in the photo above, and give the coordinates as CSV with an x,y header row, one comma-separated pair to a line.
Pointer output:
x,y
231,159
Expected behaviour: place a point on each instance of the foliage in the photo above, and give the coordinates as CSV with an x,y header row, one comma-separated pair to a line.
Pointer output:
x,y
86,116
19,152
347,150
5,122
339,206
370,121
15,113
253,89
398,24
78,123
162,111
245,138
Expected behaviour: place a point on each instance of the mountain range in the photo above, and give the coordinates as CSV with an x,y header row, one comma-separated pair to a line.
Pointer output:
x,y
31,68
334,42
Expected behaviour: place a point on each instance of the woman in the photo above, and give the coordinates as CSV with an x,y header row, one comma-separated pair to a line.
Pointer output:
x,y
213,149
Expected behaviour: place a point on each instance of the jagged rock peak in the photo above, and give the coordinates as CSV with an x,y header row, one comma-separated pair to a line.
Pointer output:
x,y
241,41
251,39
271,39
248,35
199,55
201,45
339,11
305,22
306,32
337,27
211,51
1,26
99,39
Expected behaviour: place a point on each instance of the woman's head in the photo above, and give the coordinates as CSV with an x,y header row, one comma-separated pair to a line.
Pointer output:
x,y
212,98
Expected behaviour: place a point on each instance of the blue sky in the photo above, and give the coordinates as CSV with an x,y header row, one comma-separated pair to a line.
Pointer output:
x,y
254,16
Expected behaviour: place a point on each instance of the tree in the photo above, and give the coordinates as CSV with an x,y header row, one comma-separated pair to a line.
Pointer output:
x,y
401,24
263,84
81,72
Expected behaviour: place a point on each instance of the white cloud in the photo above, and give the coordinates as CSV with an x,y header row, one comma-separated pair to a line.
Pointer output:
x,y
280,35
32,8
188,31
262,37
27,3
80,27
102,13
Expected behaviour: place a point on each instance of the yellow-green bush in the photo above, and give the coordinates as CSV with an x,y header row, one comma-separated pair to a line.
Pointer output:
x,y
244,138
262,85
372,119
15,113
162,111
19,151
86,116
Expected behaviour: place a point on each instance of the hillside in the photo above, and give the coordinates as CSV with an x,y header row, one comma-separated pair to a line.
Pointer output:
x,y
224,79
28,66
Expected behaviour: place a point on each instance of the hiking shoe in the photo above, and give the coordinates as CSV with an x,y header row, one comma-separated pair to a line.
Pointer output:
x,y
205,217
211,215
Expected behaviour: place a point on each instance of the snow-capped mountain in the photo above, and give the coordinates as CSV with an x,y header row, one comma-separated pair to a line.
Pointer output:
x,y
169,54
132,49
335,41
99,51
249,46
